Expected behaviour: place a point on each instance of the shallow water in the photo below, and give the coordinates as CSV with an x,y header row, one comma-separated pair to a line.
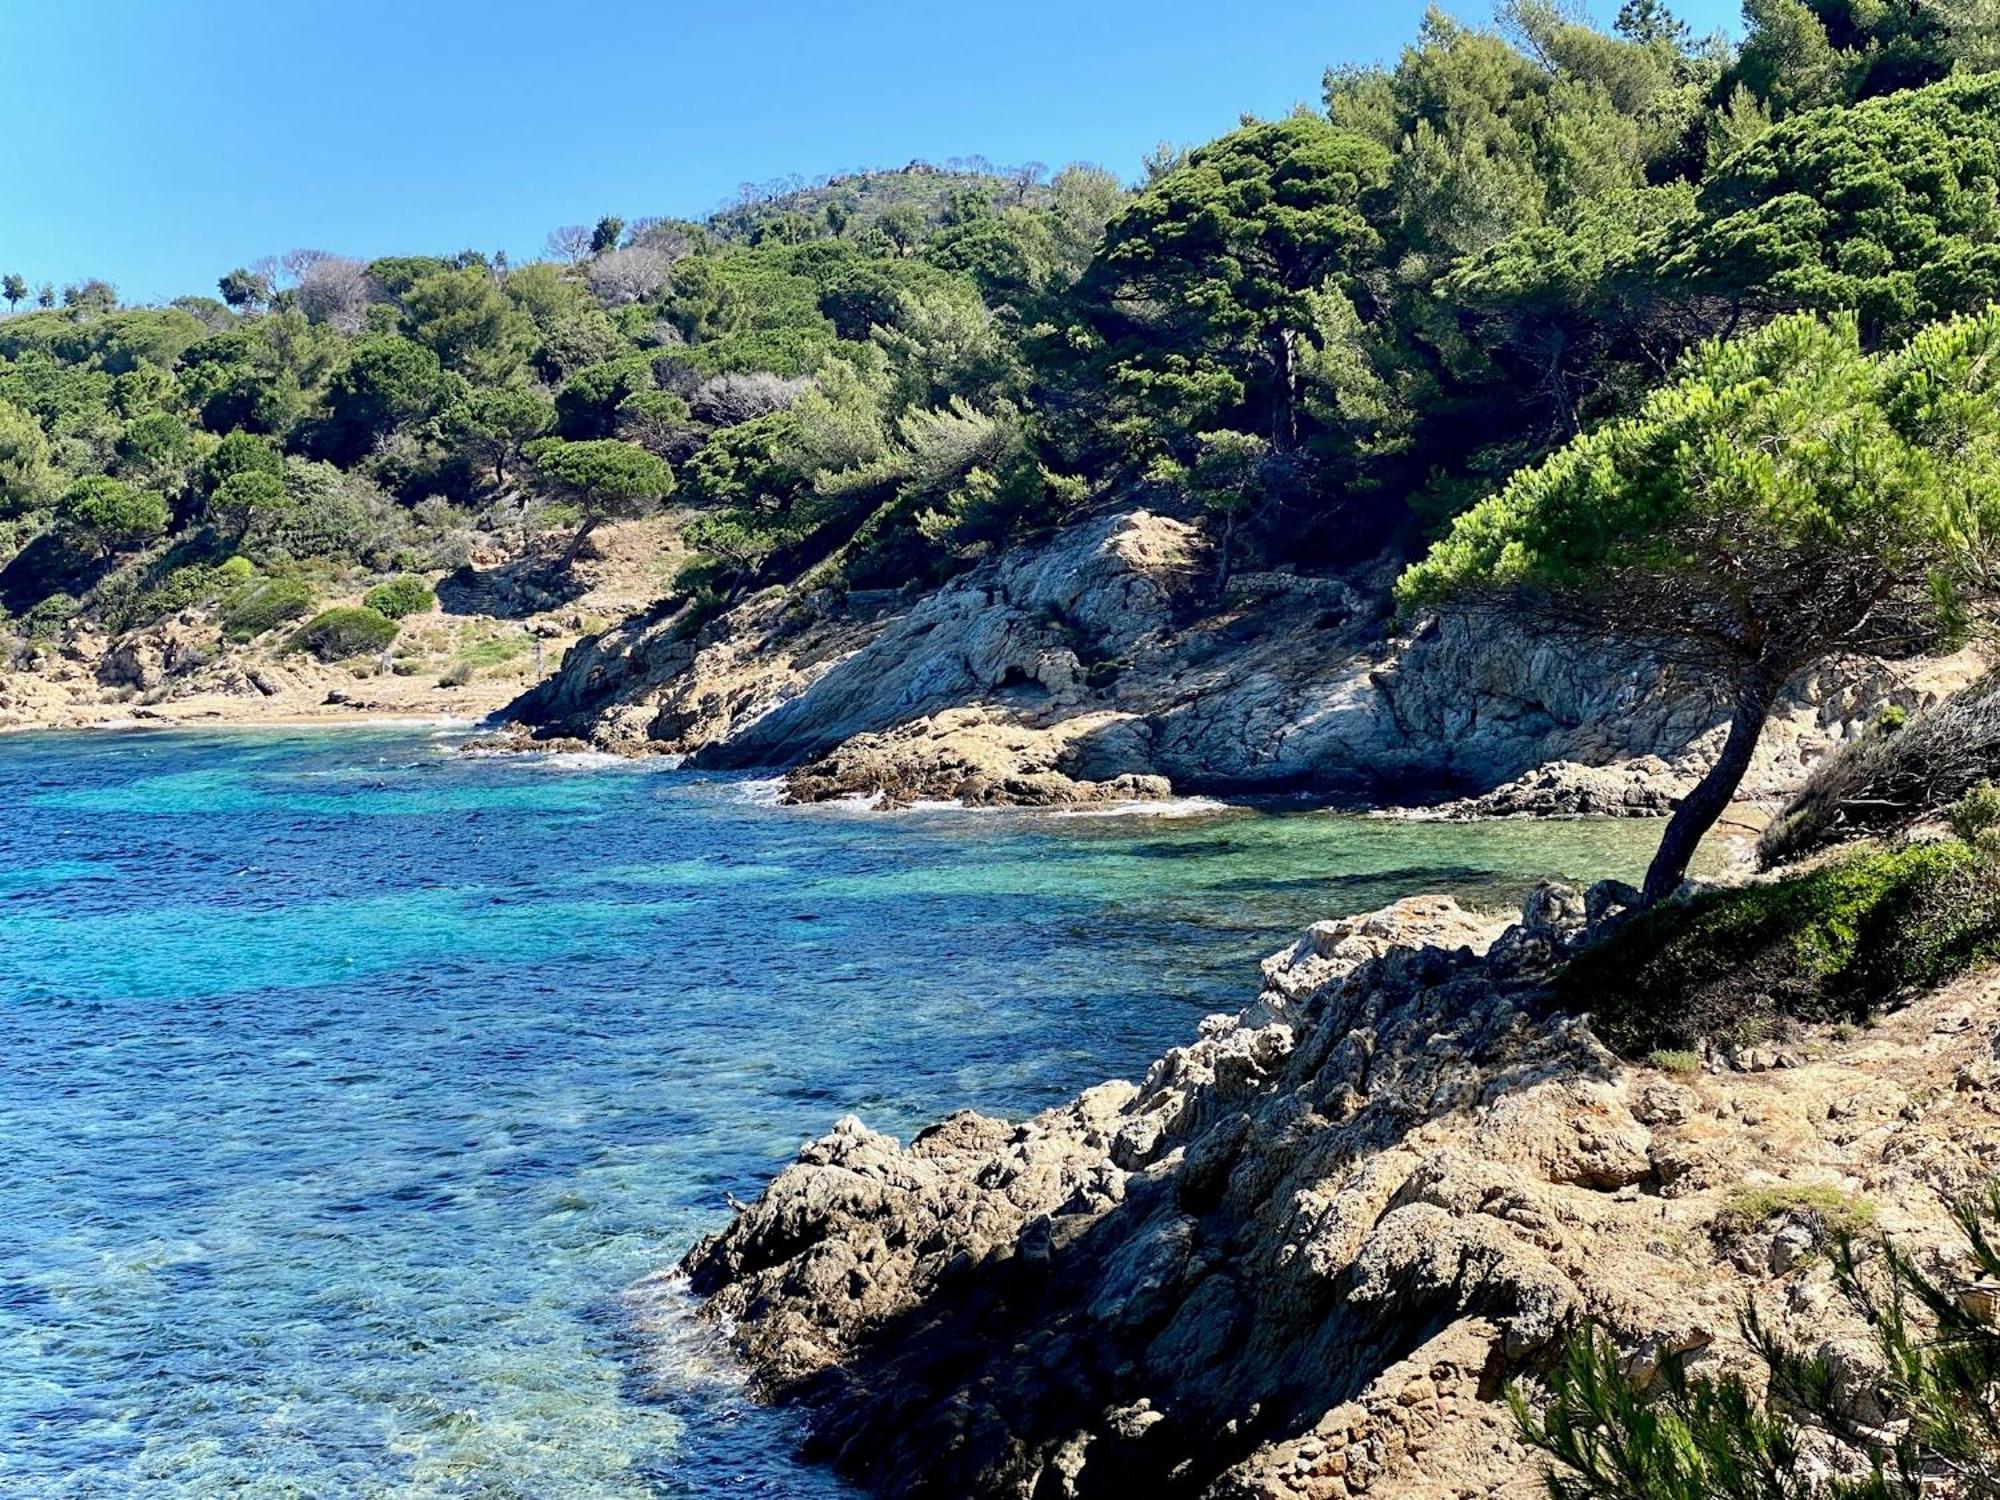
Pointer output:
x,y
344,1082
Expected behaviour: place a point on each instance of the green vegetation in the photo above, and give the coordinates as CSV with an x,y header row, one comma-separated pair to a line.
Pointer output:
x,y
336,634
1613,1435
264,604
1788,496
1318,335
1836,943
1832,1213
405,595
1678,1060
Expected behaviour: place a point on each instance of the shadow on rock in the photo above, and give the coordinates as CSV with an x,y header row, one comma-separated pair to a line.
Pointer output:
x,y
1344,1196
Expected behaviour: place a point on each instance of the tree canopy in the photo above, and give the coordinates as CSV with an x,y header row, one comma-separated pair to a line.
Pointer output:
x,y
1788,496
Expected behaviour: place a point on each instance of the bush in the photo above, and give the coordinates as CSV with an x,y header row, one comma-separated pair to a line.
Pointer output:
x,y
1616,1436
48,617
262,605
400,596
1975,815
1837,943
335,634
1902,772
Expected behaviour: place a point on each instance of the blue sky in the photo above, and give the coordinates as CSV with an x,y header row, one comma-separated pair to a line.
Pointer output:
x,y
159,142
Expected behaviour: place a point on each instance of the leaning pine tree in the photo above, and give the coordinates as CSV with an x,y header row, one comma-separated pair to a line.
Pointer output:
x,y
1785,498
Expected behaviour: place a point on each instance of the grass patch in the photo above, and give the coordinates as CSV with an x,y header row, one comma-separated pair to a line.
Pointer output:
x,y
1679,1060
495,651
1833,1214
1835,944
262,604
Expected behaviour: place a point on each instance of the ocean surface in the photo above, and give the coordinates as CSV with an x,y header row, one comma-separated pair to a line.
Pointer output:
x,y
347,1082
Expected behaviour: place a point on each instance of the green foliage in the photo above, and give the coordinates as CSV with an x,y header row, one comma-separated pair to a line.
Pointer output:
x,y
397,597
587,405
1689,1439
388,381
1976,815
262,604
240,453
1674,1060
336,634
26,479
1612,1435
605,478
1222,255
109,514
1769,452
1836,943
468,323
498,424
1786,497
1833,1214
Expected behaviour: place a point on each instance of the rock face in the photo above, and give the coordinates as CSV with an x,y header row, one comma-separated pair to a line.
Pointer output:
x,y
975,757
1102,644
1643,787
1302,1256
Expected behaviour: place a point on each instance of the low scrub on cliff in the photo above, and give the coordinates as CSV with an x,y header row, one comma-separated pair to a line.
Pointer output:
x,y
263,604
338,633
1614,1435
1834,944
400,596
1903,771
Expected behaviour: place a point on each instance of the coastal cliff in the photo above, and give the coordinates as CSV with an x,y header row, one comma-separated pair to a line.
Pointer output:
x,y
1303,1256
1098,666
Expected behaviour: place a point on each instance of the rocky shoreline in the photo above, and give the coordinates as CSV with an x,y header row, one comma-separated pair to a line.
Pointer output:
x,y
1096,667
1302,1257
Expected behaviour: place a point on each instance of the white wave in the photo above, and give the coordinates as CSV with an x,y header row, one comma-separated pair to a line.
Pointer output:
x,y
766,791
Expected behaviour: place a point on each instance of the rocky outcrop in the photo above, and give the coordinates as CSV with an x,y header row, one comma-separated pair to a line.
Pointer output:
x,y
978,758
1643,787
1302,1256
1102,642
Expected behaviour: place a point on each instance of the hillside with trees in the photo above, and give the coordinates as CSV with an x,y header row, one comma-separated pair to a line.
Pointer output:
x,y
1315,338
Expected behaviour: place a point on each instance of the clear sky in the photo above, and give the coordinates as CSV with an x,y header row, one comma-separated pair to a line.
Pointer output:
x,y
159,142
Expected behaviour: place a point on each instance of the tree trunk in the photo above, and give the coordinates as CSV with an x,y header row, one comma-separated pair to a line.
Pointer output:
x,y
1225,556
1284,416
576,543
1711,796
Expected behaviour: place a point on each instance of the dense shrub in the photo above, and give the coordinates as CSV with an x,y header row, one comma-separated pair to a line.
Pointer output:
x,y
335,634
1898,773
402,596
1836,943
263,604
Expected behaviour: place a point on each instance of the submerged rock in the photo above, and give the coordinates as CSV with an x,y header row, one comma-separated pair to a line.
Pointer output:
x,y
1302,1256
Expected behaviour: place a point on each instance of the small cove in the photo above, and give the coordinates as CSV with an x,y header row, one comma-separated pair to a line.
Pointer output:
x,y
345,1082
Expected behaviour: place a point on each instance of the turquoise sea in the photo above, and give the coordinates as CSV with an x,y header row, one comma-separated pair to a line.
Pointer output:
x,y
345,1082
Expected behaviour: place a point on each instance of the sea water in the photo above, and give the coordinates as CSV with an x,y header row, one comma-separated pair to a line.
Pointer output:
x,y
346,1082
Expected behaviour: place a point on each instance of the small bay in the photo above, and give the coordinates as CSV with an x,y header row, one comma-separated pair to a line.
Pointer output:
x,y
346,1081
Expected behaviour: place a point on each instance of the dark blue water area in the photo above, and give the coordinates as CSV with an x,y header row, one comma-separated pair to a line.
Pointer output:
x,y
347,1082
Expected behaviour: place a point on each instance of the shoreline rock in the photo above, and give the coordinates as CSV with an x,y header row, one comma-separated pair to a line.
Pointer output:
x,y
1097,654
1301,1257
